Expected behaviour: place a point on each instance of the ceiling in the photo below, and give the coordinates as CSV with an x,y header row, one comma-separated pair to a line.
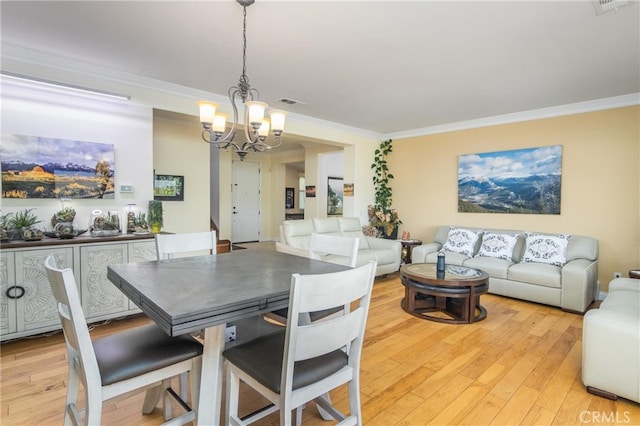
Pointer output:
x,y
380,66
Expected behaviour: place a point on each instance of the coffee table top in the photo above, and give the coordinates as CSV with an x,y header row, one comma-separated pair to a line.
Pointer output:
x,y
454,275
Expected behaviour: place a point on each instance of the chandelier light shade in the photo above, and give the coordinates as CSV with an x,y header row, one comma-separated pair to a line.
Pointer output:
x,y
255,136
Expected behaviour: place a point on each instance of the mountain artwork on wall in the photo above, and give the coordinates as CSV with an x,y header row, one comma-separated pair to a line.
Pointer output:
x,y
42,167
524,181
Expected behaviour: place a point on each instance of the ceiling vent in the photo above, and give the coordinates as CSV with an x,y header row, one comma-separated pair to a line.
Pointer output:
x,y
290,101
603,6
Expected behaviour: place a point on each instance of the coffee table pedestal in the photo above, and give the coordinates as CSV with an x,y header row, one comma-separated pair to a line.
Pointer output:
x,y
453,297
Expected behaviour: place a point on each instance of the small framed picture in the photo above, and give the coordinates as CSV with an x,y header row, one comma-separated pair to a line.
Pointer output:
x,y
289,198
168,188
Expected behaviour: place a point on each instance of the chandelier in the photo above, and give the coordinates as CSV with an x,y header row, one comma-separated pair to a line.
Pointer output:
x,y
256,128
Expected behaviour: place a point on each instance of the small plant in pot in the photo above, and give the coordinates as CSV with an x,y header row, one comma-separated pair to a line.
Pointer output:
x,y
154,216
5,220
67,214
24,222
140,224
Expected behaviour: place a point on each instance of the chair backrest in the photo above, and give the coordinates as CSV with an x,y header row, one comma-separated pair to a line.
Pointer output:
x,y
169,245
312,293
80,350
322,246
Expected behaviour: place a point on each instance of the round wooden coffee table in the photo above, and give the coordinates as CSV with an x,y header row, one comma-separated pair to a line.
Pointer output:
x,y
451,297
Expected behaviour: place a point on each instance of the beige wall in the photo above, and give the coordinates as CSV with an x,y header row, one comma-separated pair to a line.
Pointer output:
x,y
179,150
600,180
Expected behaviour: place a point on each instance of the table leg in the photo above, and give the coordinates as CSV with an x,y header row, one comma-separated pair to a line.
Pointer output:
x,y
210,399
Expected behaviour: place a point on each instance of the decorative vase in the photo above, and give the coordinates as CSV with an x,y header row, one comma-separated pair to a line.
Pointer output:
x,y
393,236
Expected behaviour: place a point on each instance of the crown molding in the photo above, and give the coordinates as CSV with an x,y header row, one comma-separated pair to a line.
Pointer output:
x,y
39,64
537,114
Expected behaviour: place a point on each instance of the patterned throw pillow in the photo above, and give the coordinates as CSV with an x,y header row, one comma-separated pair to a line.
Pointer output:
x,y
461,241
498,245
549,249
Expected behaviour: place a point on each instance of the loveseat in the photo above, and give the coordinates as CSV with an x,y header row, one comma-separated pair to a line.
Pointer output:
x,y
557,270
295,237
611,343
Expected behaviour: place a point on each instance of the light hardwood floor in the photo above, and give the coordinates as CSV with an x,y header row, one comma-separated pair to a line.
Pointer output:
x,y
521,365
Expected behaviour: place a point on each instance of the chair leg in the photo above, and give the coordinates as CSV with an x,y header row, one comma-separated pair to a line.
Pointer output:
x,y
232,396
151,399
94,405
184,377
299,416
194,381
167,407
73,387
355,408
323,413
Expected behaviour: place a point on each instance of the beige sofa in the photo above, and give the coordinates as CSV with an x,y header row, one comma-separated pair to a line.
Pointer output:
x,y
295,237
611,343
573,286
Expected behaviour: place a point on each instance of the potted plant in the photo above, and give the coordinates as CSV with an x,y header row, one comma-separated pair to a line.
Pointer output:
x,y
5,220
67,214
381,214
154,216
24,223
140,225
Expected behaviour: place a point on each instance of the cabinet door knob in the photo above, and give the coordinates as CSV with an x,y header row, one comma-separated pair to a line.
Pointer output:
x,y
15,292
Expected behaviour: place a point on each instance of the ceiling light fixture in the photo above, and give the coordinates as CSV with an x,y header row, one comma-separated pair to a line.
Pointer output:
x,y
256,129
65,86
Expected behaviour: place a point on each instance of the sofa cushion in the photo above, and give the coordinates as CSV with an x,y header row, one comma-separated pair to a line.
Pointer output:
x,y
326,225
351,227
497,245
536,273
382,256
298,233
495,267
461,241
545,248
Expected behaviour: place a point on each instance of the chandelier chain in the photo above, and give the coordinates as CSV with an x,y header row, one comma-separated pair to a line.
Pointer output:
x,y
243,77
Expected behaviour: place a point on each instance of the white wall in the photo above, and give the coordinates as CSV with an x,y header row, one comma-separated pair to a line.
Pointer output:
x,y
30,109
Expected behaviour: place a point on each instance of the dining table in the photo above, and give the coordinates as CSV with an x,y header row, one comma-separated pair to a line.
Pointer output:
x,y
186,295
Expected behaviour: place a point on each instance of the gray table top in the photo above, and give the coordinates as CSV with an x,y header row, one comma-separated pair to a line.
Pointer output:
x,y
187,294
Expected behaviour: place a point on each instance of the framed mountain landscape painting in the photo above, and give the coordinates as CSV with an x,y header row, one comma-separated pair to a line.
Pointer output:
x,y
42,167
524,181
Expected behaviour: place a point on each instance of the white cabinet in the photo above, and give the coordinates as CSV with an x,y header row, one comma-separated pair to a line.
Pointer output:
x,y
100,298
27,306
7,305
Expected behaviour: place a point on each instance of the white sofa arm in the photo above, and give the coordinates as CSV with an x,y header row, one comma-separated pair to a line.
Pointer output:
x,y
419,254
611,343
285,248
579,284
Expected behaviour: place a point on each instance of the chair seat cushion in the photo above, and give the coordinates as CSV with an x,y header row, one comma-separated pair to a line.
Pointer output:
x,y
141,350
261,358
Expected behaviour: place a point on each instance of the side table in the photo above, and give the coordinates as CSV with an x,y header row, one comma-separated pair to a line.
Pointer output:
x,y
407,247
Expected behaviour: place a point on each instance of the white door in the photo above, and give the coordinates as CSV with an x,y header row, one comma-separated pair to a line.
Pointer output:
x,y
245,188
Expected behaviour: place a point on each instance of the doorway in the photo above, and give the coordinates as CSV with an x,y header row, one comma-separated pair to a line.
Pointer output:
x,y
245,201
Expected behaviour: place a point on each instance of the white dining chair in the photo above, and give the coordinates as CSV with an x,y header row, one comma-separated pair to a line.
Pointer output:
x,y
188,244
334,249
306,360
327,248
142,358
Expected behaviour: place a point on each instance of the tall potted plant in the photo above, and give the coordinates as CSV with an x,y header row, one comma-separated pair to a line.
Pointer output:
x,y
154,216
381,214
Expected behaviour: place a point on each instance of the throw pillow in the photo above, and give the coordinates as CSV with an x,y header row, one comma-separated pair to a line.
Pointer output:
x,y
498,245
549,249
461,241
